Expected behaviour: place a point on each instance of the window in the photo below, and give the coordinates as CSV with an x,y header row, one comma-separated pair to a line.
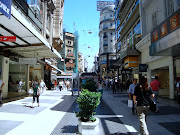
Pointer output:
x,y
170,7
111,24
137,28
154,20
111,40
111,33
110,15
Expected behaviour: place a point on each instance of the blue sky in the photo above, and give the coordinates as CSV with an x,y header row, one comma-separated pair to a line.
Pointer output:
x,y
86,18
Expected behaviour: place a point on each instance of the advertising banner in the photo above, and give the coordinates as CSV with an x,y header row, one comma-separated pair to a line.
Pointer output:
x,y
5,7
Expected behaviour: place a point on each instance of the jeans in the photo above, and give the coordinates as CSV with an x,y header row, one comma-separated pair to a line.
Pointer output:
x,y
142,113
156,93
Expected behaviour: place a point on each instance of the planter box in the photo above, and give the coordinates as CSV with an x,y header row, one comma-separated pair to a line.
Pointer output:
x,y
89,128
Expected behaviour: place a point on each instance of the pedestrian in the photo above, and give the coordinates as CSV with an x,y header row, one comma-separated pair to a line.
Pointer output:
x,y
55,84
1,86
100,85
131,93
42,86
36,93
67,83
155,85
20,85
141,98
61,83
178,92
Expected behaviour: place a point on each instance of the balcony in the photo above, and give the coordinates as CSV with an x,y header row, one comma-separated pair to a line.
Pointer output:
x,y
105,36
31,12
105,44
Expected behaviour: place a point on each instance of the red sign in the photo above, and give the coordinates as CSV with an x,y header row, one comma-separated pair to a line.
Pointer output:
x,y
7,38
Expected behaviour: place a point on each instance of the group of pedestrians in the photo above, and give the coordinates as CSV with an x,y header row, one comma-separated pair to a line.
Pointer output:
x,y
141,94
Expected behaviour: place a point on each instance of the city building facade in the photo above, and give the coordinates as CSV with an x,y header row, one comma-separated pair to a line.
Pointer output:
x,y
31,23
160,44
82,63
128,34
107,51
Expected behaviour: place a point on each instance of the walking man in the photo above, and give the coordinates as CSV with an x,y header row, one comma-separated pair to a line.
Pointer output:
x,y
131,92
1,86
155,85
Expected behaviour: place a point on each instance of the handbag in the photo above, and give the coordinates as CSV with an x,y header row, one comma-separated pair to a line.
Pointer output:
x,y
152,105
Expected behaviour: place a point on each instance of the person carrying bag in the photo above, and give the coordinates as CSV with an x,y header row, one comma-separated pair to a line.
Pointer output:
x,y
141,97
36,93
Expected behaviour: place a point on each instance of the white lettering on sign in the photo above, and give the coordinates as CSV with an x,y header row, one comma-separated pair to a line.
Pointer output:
x,y
4,7
29,61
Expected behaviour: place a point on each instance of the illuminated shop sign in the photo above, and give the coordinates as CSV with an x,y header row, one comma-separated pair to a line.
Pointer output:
x,y
131,62
5,7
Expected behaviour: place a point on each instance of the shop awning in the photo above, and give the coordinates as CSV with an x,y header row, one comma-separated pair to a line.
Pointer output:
x,y
29,42
53,66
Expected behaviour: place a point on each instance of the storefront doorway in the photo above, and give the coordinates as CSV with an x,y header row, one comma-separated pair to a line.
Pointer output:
x,y
163,75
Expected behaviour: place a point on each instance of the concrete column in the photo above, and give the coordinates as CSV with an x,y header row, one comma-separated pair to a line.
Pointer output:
x,y
44,18
171,80
5,75
142,18
27,79
51,30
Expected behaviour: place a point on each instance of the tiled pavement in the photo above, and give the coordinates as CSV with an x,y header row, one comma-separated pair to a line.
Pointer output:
x,y
55,116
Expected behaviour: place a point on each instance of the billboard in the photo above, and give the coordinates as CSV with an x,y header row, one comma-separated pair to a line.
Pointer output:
x,y
5,7
102,4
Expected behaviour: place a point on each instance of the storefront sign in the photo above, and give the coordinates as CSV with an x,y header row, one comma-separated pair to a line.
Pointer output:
x,y
174,21
5,7
142,67
163,29
155,35
29,61
7,38
130,62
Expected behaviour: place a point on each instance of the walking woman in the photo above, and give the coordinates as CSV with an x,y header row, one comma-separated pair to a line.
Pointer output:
x,y
141,97
36,93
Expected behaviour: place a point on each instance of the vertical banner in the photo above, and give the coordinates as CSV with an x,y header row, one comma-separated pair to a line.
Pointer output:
x,y
5,7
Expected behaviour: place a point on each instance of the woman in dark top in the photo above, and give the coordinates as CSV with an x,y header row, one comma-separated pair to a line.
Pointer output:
x,y
141,97
36,93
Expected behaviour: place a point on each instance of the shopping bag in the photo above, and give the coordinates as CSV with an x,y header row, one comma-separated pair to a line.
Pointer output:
x,y
130,103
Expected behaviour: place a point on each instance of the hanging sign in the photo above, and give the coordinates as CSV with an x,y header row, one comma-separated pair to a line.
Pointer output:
x,y
7,38
29,61
5,7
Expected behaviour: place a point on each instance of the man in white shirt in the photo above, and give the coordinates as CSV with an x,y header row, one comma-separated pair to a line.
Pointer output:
x,y
1,86
131,92
178,92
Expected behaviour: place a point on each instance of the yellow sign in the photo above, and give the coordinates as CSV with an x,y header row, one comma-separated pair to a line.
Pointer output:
x,y
131,62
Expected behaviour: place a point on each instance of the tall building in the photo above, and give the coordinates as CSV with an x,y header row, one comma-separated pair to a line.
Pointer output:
x,y
107,52
69,53
160,44
128,34
82,63
26,56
